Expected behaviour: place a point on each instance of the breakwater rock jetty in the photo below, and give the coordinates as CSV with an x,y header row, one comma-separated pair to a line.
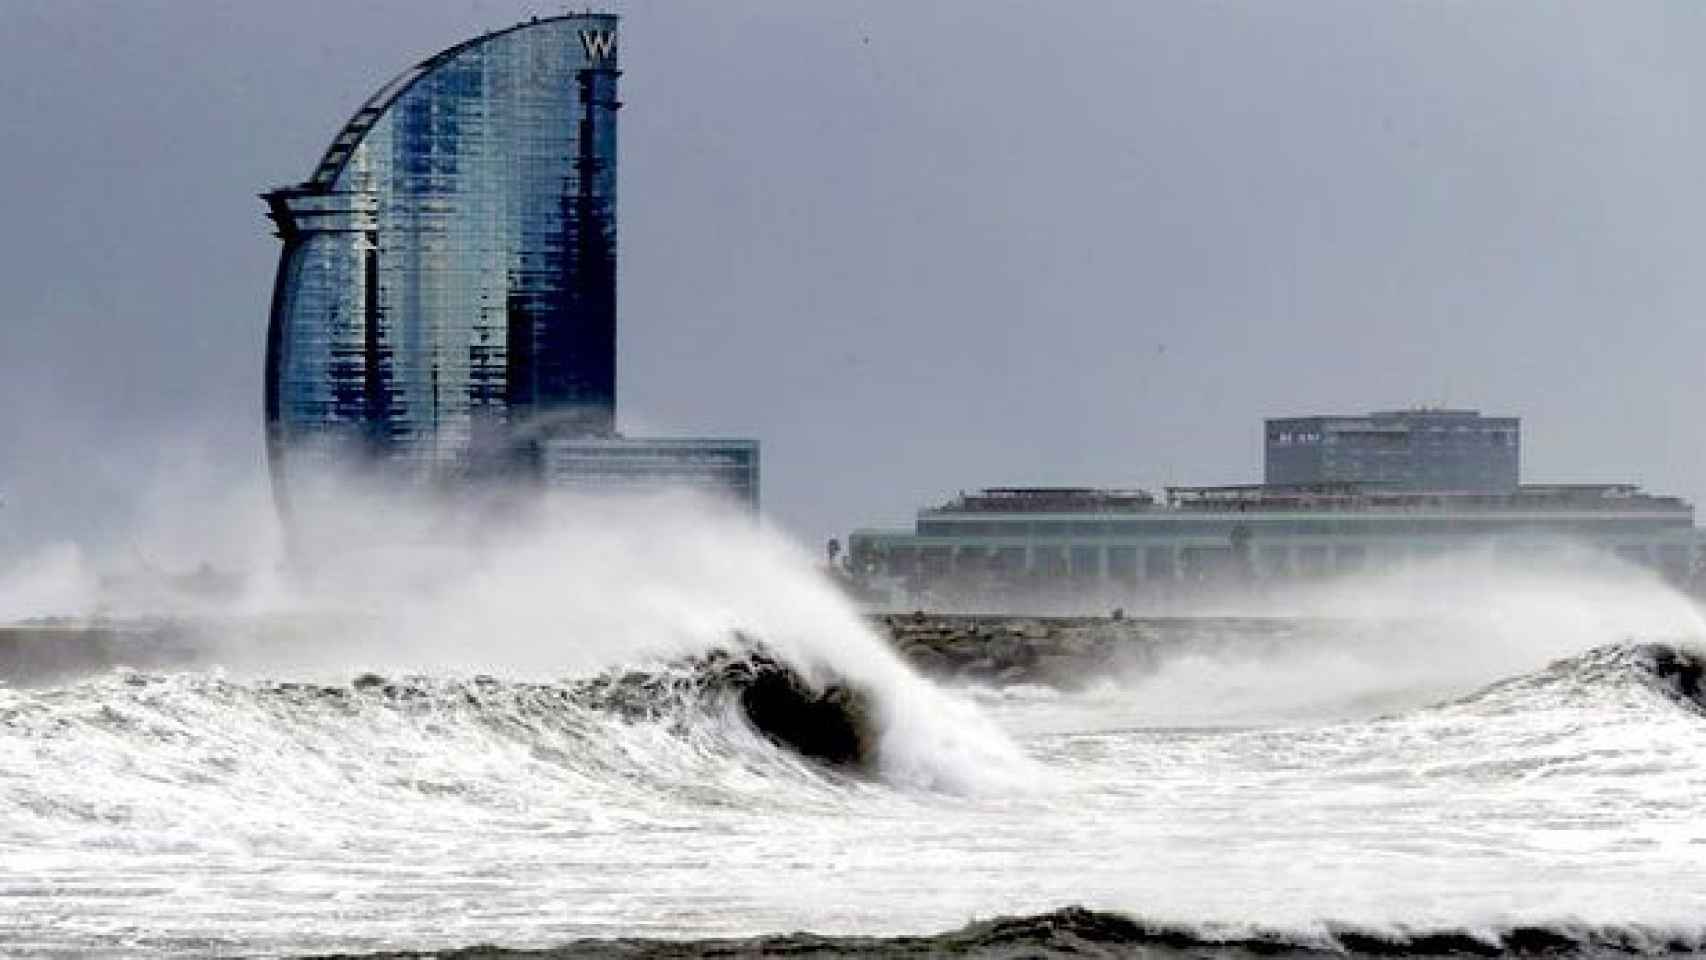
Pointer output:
x,y
995,650
45,652
1064,652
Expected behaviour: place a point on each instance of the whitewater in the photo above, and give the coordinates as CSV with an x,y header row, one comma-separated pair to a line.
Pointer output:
x,y
438,735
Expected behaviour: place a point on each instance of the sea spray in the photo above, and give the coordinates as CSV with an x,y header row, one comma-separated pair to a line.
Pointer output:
x,y
1376,643
542,585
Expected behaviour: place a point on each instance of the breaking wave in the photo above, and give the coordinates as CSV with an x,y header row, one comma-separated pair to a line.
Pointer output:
x,y
1626,675
136,746
432,595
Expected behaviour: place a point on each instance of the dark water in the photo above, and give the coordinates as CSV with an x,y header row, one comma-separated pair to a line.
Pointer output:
x,y
1077,932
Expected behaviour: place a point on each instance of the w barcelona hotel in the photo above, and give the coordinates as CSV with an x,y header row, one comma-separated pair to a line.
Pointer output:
x,y
445,303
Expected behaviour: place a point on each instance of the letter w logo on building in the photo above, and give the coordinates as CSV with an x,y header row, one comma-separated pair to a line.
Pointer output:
x,y
598,44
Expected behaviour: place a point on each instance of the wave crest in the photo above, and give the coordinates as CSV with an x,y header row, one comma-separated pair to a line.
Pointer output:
x,y
1674,672
1080,932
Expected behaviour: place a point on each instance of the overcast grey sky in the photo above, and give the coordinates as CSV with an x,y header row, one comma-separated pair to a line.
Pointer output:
x,y
918,247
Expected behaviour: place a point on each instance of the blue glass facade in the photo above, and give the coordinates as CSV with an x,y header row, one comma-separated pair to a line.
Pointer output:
x,y
446,294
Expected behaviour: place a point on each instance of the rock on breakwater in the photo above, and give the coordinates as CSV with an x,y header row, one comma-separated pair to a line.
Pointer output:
x,y
1064,652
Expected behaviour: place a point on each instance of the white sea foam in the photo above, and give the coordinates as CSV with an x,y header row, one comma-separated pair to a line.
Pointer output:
x,y
260,803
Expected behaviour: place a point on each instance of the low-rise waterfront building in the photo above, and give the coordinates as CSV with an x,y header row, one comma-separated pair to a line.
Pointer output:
x,y
1115,543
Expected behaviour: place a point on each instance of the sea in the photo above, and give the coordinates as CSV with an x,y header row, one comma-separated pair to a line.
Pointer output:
x,y
547,746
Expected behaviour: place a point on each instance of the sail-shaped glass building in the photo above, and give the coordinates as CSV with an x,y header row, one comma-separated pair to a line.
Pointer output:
x,y
446,298
448,280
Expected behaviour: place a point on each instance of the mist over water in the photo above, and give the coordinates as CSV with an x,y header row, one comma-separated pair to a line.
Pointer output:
x,y
1368,644
413,723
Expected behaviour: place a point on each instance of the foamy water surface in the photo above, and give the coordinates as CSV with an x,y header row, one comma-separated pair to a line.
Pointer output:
x,y
257,804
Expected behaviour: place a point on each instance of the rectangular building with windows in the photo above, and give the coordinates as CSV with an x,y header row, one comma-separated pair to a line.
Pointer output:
x,y
720,467
1421,449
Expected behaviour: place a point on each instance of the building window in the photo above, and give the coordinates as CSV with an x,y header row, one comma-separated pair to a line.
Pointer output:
x,y
934,561
1049,561
1086,563
971,560
1122,563
1008,561
1312,561
1158,563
